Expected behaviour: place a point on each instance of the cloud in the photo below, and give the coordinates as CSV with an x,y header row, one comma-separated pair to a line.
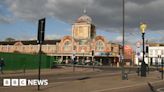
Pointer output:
x,y
4,19
30,37
118,39
53,37
47,37
105,13
156,40
27,9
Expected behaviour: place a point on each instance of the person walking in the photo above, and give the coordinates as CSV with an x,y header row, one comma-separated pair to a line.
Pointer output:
x,y
2,64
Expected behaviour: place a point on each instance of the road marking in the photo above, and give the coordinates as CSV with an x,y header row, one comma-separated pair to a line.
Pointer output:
x,y
118,88
108,89
58,82
160,90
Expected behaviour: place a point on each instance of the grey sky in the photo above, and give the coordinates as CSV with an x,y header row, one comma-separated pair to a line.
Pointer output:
x,y
106,14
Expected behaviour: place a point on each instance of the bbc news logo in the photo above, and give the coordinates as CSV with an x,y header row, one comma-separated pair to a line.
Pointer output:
x,y
24,82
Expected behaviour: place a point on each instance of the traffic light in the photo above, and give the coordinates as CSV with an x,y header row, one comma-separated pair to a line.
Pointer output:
x,y
41,29
147,49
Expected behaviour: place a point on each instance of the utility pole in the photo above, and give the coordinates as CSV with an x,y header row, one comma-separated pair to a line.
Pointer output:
x,y
123,42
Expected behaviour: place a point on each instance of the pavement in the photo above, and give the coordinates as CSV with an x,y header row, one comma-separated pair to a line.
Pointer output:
x,y
87,80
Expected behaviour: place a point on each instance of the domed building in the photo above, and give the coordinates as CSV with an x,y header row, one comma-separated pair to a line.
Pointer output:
x,y
85,19
84,45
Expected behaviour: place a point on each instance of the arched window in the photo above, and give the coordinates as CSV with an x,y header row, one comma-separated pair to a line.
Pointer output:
x,y
100,45
67,46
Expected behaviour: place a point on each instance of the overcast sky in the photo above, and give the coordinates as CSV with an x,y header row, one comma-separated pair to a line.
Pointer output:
x,y
18,18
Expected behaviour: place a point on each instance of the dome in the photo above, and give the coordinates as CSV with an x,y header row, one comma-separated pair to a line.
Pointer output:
x,y
85,19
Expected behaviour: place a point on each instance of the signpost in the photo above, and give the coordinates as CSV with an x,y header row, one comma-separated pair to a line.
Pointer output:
x,y
138,50
41,29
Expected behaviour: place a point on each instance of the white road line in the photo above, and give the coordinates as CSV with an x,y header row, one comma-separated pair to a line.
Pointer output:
x,y
58,82
118,88
160,90
108,89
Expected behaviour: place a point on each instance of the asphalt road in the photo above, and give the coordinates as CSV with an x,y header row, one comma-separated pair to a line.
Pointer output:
x,y
70,76
98,84
157,86
92,81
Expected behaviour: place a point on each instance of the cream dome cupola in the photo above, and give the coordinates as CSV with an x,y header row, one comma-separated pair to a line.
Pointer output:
x,y
84,18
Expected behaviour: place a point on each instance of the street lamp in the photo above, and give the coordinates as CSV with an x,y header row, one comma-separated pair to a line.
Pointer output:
x,y
143,27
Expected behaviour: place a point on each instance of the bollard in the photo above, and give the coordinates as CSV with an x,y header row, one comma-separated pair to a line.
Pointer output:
x,y
138,71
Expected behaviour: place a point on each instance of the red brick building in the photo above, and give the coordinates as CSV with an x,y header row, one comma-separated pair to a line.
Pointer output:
x,y
81,43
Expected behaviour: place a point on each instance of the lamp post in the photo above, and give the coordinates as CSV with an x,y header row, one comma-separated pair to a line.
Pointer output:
x,y
123,40
143,26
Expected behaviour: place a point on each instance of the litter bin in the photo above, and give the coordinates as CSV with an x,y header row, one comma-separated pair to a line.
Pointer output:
x,y
126,76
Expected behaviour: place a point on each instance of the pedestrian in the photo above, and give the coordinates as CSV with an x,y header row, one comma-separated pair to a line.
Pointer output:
x,y
2,64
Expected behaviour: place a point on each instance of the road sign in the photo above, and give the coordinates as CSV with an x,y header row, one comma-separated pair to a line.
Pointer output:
x,y
138,54
41,29
138,44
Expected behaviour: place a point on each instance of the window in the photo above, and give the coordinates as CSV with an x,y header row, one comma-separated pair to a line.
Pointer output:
x,y
99,45
23,48
151,52
156,52
162,52
67,46
80,42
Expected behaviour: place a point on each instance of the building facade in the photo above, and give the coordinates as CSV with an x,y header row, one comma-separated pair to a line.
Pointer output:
x,y
153,56
82,43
